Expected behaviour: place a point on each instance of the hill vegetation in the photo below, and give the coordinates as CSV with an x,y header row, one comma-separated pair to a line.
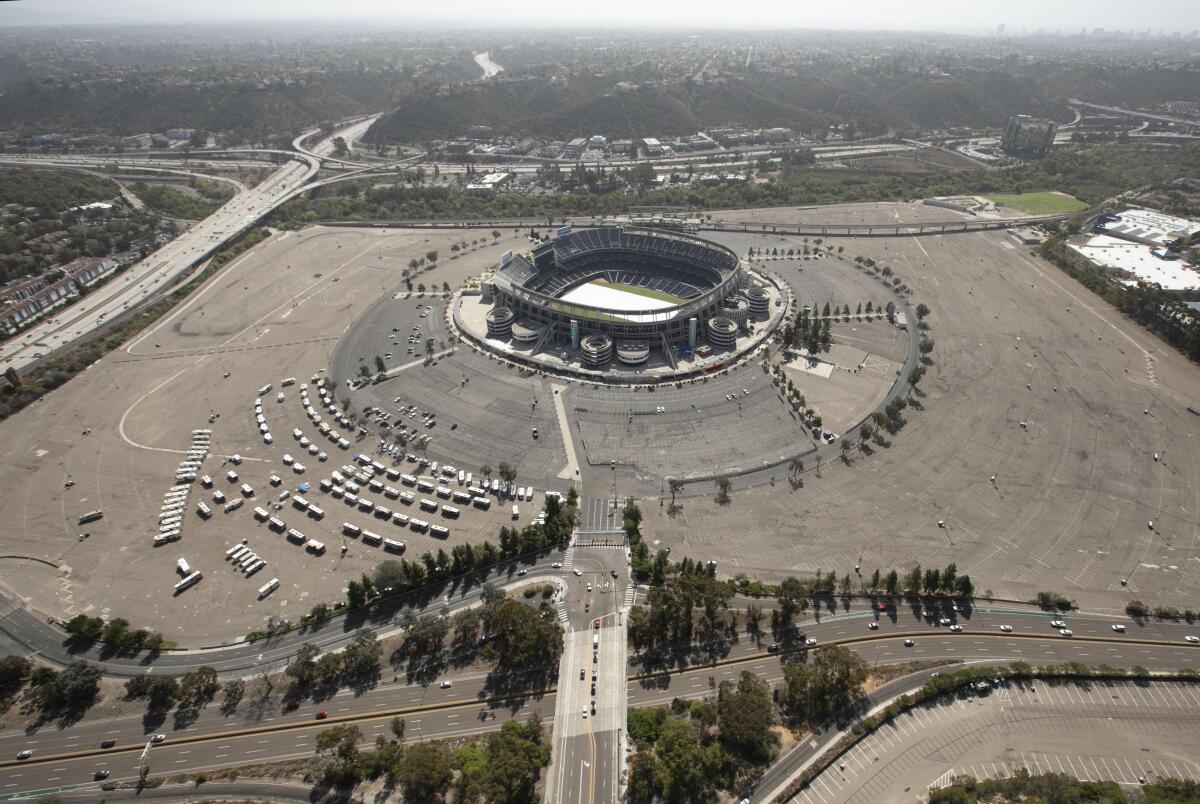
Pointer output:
x,y
1090,175
873,101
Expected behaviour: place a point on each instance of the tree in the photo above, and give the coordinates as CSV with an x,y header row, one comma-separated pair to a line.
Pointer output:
x,y
495,235
198,687
744,716
424,771
398,727
339,147
508,472
914,376
13,672
303,667
431,256
723,486
912,581
681,765
964,586
85,628
360,659
874,585
337,748
515,759
72,690
892,583
380,366
161,693
676,486
922,311
643,781
926,346
817,690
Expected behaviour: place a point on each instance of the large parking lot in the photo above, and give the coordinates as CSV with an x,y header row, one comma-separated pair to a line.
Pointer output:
x,y
1032,380
112,439
1122,732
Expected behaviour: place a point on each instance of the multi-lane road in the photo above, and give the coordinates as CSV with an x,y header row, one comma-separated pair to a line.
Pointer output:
x,y
588,751
148,278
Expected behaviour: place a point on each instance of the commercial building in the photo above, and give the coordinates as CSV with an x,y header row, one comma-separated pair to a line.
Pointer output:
x,y
1028,136
574,149
652,147
1151,227
489,184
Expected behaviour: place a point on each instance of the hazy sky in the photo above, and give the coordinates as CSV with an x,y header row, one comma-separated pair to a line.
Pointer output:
x,y
959,15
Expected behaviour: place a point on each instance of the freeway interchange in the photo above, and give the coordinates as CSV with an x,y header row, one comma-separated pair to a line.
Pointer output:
x,y
588,751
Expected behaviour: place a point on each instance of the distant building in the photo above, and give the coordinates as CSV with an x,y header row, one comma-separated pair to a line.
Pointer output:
x,y
27,301
652,147
621,147
776,135
574,149
178,134
139,141
1151,227
489,184
598,142
479,133
1028,136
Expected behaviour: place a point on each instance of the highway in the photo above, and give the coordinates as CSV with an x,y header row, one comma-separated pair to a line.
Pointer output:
x,y
23,633
457,712
145,280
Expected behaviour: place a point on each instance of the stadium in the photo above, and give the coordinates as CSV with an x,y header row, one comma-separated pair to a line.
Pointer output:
x,y
619,300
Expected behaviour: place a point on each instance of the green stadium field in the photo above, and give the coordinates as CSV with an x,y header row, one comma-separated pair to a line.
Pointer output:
x,y
1044,203
647,292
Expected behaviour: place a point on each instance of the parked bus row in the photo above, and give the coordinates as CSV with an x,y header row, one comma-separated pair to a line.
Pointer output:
x,y
244,560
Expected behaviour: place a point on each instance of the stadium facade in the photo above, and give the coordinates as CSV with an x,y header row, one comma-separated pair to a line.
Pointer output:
x,y
624,300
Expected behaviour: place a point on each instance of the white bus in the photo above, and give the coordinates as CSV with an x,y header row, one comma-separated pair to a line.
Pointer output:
x,y
462,476
182,567
516,512
261,514
315,547
276,524
299,502
188,581
315,512
296,536
439,531
400,518
371,538
393,545
424,485
407,497
391,493
236,550
284,383
366,505
450,511
267,588
482,503
462,497
418,524
351,529
444,492
408,480
255,567
428,504
163,538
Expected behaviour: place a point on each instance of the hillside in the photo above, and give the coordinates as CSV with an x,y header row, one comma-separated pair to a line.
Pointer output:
x,y
875,103
250,110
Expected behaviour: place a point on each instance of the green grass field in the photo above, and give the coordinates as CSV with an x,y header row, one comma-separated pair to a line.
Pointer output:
x,y
647,292
1045,203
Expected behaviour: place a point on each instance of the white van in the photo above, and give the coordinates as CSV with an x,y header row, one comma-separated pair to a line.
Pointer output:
x,y
516,512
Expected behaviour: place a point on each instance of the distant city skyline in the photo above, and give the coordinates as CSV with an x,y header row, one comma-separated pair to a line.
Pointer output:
x,y
1016,16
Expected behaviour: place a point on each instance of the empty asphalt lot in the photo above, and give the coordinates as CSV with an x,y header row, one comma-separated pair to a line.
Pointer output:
x,y
1033,380
111,439
1104,731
